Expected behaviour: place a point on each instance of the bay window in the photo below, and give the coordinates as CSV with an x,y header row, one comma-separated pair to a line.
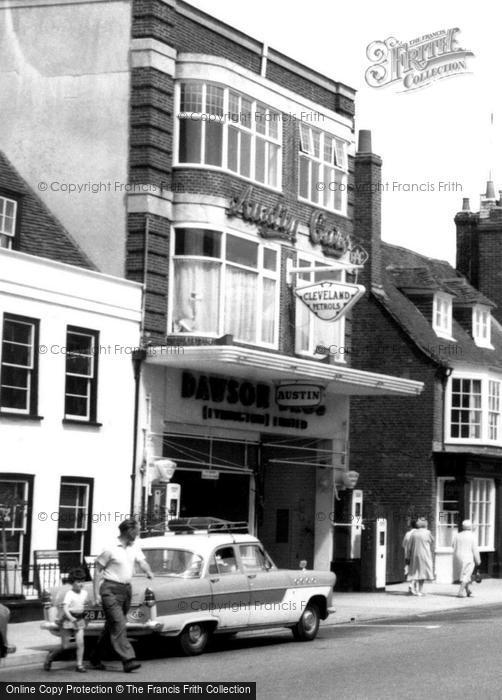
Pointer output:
x,y
322,169
473,410
481,505
19,365
466,408
220,127
225,283
311,331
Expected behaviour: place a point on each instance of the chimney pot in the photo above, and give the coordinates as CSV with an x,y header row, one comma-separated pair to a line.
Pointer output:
x,y
490,190
364,141
465,204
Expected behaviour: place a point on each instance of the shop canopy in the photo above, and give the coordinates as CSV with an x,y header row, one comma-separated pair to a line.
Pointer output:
x,y
272,367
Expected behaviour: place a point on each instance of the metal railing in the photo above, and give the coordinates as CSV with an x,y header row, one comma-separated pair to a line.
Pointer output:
x,y
30,581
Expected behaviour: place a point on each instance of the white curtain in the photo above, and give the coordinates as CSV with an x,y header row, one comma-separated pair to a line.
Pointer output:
x,y
196,296
268,311
240,303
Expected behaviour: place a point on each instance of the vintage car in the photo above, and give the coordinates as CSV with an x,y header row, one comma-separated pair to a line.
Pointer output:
x,y
5,647
217,580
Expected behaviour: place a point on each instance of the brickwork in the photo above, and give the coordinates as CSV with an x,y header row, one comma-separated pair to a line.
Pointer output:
x,y
367,213
187,30
156,234
490,266
391,438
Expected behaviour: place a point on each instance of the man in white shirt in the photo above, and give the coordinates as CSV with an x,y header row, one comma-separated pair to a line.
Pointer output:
x,y
115,568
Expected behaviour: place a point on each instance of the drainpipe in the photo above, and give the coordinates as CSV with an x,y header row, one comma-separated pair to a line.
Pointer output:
x,y
444,374
137,359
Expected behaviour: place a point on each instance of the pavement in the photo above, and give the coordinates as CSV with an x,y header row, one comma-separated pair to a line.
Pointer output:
x,y
351,609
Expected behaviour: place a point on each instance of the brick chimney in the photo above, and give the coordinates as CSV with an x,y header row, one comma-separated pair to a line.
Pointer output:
x,y
479,247
368,208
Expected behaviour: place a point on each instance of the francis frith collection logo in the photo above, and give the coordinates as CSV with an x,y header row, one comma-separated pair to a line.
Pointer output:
x,y
416,63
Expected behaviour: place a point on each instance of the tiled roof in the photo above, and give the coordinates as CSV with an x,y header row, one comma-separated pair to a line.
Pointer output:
x,y
414,278
444,352
40,232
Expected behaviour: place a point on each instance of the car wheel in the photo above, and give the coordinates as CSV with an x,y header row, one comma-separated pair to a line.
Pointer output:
x,y
194,638
306,629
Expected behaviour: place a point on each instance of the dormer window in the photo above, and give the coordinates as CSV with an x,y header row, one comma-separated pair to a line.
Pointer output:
x,y
442,315
481,326
8,210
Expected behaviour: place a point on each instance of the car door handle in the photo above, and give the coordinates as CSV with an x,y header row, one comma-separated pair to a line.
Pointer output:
x,y
251,575
214,580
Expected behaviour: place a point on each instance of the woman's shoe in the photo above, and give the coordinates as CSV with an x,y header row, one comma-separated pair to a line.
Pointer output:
x,y
81,669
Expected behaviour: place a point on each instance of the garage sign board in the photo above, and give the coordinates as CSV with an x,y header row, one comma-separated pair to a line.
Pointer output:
x,y
330,300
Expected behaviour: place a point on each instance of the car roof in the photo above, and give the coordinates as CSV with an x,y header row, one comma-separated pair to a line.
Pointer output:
x,y
202,543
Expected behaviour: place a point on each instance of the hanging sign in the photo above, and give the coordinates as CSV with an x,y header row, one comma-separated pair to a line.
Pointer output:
x,y
358,255
210,474
298,395
330,300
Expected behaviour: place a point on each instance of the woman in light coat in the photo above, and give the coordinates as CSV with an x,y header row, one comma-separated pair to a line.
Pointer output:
x,y
419,554
465,558
411,584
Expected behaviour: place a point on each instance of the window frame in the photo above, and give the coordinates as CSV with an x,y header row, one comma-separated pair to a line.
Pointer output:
x,y
313,260
440,483
307,151
261,272
485,409
443,330
87,530
91,416
9,237
33,370
482,339
489,546
226,123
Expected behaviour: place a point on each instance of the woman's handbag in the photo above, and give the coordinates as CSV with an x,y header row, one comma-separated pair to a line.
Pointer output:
x,y
477,577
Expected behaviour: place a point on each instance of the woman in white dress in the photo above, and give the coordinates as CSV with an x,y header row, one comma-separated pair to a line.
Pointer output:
x,y
420,556
465,558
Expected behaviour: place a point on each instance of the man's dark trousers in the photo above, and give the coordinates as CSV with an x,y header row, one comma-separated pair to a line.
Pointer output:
x,y
116,601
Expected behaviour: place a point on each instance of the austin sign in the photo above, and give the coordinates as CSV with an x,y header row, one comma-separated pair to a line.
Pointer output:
x,y
330,300
298,395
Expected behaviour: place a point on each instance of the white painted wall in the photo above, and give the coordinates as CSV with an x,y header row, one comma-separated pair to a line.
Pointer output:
x,y
58,295
64,74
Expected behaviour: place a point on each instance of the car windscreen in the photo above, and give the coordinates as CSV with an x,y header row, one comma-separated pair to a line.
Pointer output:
x,y
182,563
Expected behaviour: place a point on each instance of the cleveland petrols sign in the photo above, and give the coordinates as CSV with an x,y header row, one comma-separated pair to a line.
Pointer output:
x,y
330,300
416,63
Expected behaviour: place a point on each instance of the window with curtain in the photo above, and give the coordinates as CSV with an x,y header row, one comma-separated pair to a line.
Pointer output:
x,y
311,332
225,283
221,127
322,168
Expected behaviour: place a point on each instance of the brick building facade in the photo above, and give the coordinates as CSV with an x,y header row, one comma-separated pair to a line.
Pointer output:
x,y
439,456
240,184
